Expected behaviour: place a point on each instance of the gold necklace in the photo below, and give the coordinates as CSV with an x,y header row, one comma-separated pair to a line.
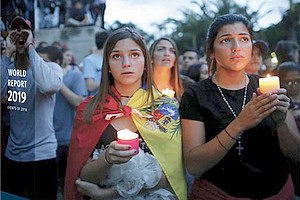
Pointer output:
x,y
239,147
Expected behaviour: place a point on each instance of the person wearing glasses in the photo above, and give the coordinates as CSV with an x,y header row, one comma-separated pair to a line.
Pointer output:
x,y
289,74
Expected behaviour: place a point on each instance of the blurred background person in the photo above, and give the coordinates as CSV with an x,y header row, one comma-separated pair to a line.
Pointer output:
x,y
92,64
77,15
69,61
286,50
164,55
203,71
289,74
97,9
41,44
68,98
48,13
259,51
189,57
198,71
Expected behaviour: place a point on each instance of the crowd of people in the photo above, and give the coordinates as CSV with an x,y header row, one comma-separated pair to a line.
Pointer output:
x,y
217,136
55,13
70,13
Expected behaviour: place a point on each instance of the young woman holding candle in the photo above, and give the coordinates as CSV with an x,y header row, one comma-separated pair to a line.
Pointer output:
x,y
240,137
122,102
164,56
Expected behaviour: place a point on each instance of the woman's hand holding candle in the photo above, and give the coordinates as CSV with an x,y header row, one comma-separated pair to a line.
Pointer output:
x,y
126,136
269,84
282,106
120,152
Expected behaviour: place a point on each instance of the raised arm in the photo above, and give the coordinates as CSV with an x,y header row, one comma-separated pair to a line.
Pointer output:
x,y
77,91
48,76
6,61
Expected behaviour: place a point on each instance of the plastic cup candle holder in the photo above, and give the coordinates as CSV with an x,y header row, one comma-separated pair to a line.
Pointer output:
x,y
268,84
126,136
168,92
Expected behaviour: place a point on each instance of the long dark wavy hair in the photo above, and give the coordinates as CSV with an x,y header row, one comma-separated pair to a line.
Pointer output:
x,y
213,30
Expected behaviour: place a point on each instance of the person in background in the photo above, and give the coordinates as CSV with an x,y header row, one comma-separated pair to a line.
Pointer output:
x,y
102,12
57,44
189,56
98,7
127,99
164,56
68,61
92,64
47,12
289,75
204,72
62,13
256,63
68,98
239,138
287,50
186,81
78,15
30,157
41,44
198,71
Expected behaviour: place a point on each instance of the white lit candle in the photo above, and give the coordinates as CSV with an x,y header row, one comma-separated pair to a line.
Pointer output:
x,y
168,92
126,136
269,84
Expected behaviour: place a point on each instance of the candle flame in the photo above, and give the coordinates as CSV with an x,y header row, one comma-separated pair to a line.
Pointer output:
x,y
126,134
168,92
269,84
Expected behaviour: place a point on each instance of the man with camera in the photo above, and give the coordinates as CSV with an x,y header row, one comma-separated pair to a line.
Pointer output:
x,y
29,165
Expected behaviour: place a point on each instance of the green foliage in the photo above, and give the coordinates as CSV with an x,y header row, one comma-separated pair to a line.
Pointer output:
x,y
287,29
191,31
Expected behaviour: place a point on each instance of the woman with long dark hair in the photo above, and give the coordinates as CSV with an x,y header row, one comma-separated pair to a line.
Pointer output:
x,y
239,137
